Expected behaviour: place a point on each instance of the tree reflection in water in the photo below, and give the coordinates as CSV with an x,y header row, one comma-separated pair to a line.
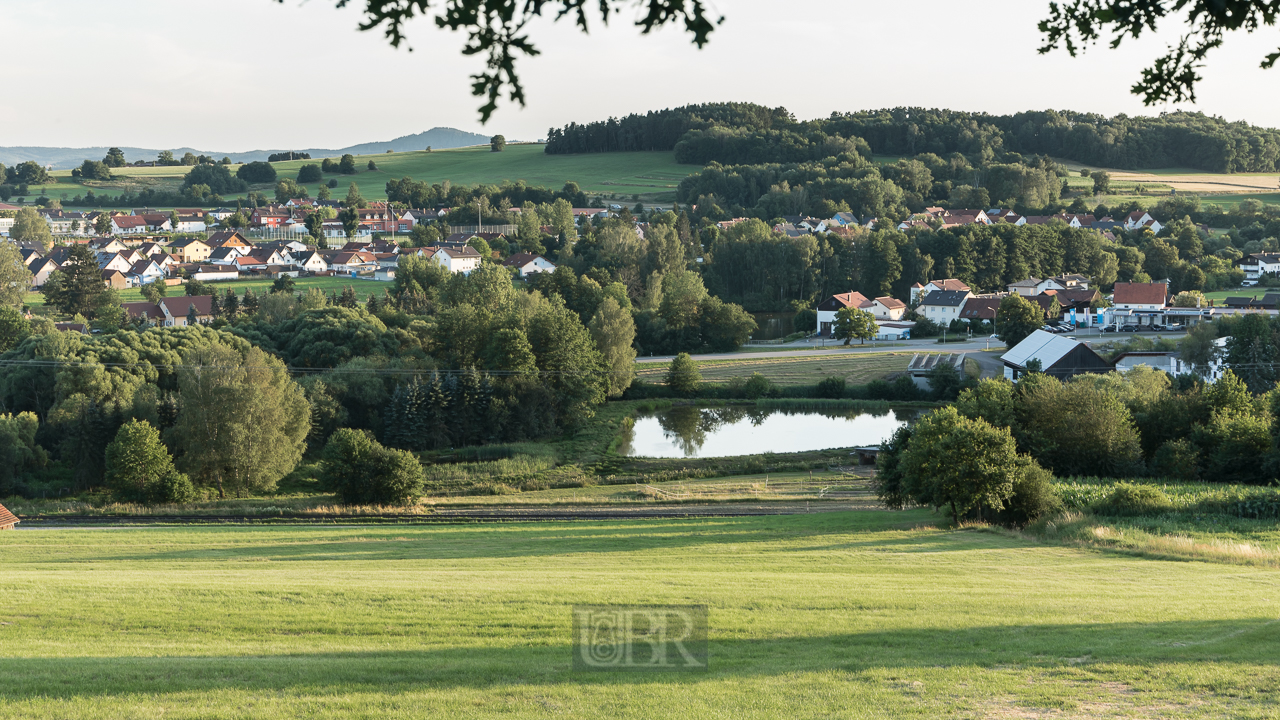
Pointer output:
x,y
687,427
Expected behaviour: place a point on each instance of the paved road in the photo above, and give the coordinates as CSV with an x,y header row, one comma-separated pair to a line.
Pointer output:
x,y
924,345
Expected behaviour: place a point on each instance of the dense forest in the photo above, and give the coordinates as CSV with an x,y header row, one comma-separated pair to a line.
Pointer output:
x,y
1179,139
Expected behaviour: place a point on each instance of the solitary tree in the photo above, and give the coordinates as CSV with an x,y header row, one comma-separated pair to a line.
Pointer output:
x,y
102,224
243,423
76,287
1101,183
497,143
614,331
139,468
855,323
15,278
114,158
363,472
29,227
354,198
683,376
1016,318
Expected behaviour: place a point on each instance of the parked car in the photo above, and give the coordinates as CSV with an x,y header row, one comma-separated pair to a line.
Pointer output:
x,y
1129,328
1108,328
1158,328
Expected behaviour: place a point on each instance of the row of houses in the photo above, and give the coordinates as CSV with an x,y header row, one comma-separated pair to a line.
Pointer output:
x,y
943,218
228,255
1064,357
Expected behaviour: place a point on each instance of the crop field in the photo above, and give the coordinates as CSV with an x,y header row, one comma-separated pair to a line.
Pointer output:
x,y
362,287
857,368
863,614
651,175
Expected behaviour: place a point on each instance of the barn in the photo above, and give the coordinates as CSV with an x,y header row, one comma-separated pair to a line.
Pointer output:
x,y
1055,355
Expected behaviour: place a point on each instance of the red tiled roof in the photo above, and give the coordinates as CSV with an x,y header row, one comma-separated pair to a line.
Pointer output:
x,y
180,306
891,303
948,284
143,309
7,519
851,299
1141,293
128,221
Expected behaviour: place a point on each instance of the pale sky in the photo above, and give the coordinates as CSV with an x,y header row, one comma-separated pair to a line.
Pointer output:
x,y
238,75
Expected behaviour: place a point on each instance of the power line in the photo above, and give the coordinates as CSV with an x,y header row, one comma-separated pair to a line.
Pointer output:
x,y
51,363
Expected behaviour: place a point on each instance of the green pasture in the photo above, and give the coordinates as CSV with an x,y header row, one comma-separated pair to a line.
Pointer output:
x,y
856,368
839,615
651,175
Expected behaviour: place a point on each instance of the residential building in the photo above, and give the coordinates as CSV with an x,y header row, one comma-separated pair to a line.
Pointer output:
x,y
228,238
943,306
128,225
887,308
980,309
529,264
40,270
1257,265
173,311
190,250
354,262
7,519
1057,356
115,279
457,260
918,290
311,261
828,308
1138,303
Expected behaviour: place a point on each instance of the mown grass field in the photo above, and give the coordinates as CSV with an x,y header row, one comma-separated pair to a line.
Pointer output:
x,y
651,175
857,369
362,287
819,616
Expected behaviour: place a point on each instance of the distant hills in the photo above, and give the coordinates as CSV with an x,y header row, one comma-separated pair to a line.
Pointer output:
x,y
60,158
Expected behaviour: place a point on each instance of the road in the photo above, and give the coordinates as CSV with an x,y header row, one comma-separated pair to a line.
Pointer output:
x,y
923,345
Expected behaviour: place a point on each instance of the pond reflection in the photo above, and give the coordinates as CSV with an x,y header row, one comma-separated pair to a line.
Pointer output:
x,y
689,432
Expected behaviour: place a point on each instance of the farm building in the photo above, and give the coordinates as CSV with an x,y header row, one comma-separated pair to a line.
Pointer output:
x,y
1057,356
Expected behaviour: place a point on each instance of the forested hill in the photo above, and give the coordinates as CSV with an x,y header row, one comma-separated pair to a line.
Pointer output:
x,y
1181,139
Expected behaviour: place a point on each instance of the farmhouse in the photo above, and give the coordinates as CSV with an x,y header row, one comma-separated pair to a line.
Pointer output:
x,y
1057,356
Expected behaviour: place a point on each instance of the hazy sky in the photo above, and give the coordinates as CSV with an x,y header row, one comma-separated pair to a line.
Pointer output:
x,y
236,75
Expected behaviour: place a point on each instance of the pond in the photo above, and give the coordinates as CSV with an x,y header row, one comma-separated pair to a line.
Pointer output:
x,y
689,432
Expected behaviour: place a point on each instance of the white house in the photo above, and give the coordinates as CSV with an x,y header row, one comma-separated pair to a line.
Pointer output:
x,y
943,306
918,290
144,272
353,262
828,308
528,263
458,260
1257,265
1137,303
310,261
887,308
1139,219
128,225
115,261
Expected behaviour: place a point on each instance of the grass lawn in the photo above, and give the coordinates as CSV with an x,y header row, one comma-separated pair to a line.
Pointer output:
x,y
858,368
817,616
651,175
362,287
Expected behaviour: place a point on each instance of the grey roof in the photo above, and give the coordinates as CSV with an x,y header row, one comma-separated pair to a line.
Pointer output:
x,y
1046,347
946,298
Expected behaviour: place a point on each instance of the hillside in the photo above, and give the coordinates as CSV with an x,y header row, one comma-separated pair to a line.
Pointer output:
x,y
651,175
67,158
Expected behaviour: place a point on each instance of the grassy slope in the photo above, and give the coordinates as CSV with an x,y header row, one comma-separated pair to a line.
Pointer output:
x,y
857,369
840,615
653,175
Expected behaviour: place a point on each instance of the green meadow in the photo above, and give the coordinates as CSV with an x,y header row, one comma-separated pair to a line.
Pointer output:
x,y
651,175
834,615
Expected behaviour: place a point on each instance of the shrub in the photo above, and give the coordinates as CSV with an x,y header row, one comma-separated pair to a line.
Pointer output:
x,y
1033,497
363,472
832,387
139,468
1176,459
806,320
1129,500
683,376
757,386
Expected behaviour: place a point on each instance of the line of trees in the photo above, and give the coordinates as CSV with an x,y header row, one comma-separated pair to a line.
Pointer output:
x,y
1178,139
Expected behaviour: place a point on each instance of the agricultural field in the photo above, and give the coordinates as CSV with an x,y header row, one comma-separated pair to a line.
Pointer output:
x,y
653,176
861,614
363,288
857,369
